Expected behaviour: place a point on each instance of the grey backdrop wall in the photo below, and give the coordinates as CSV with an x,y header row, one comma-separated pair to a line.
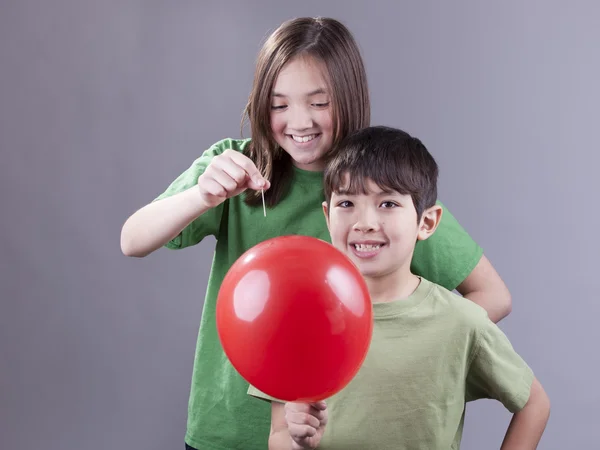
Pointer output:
x,y
104,103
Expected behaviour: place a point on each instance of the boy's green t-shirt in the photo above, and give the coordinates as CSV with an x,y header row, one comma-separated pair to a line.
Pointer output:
x,y
430,353
220,413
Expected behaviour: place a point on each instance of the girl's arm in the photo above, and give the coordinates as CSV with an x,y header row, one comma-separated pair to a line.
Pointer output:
x,y
485,287
157,223
227,175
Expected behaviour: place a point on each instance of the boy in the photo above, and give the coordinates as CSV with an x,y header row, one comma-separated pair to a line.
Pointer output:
x,y
431,350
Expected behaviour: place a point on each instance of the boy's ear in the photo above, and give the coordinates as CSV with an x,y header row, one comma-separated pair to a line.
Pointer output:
x,y
326,212
429,222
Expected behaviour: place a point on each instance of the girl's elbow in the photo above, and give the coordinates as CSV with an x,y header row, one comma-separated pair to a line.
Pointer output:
x,y
506,304
128,247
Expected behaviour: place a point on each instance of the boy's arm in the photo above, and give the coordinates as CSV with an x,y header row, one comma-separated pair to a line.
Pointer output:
x,y
301,430
527,425
497,371
485,287
280,438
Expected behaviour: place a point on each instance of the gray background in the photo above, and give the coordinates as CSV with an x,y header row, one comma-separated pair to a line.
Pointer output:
x,y
104,103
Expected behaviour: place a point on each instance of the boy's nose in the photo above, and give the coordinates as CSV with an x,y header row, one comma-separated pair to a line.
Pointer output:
x,y
367,223
364,228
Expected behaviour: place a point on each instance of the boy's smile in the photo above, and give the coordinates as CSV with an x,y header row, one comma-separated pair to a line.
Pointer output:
x,y
366,248
377,230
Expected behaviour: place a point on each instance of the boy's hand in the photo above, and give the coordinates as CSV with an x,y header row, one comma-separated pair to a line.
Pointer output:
x,y
228,175
306,423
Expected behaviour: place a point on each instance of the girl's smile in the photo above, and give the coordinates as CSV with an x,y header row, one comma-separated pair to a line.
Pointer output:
x,y
301,119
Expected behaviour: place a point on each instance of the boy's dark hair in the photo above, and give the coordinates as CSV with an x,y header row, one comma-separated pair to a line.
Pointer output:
x,y
391,158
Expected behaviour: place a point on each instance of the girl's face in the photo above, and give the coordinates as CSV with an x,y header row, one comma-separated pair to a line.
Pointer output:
x,y
301,119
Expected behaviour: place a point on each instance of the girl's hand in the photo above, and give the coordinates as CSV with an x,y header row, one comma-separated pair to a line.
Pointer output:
x,y
228,175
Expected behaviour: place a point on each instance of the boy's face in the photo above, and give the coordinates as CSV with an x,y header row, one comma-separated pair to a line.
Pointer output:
x,y
379,230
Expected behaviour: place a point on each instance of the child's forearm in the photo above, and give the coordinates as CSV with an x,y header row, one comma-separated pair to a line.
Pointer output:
x,y
485,287
280,440
527,426
155,224
496,303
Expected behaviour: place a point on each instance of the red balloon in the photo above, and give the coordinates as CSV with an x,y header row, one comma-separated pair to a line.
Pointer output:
x,y
295,318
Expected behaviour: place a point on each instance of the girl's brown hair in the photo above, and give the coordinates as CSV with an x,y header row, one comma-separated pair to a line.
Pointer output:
x,y
329,42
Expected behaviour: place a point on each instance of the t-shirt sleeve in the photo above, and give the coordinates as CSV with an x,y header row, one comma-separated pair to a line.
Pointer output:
x,y
496,370
207,224
448,256
253,392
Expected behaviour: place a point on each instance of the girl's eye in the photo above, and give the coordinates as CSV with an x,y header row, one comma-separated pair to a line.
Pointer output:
x,y
388,205
321,105
278,107
345,204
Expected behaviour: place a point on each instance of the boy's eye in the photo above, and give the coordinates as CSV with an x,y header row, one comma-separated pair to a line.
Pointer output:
x,y
389,205
345,204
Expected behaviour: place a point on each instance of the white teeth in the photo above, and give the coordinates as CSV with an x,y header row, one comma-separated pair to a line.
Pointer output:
x,y
366,247
304,138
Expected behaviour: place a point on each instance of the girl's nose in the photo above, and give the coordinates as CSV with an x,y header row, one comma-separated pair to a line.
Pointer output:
x,y
300,120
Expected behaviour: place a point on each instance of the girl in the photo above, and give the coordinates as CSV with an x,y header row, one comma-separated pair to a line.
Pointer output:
x,y
309,91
